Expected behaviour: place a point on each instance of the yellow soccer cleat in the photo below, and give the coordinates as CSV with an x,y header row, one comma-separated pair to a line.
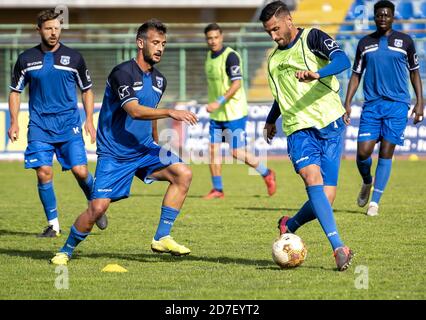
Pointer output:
x,y
168,245
60,259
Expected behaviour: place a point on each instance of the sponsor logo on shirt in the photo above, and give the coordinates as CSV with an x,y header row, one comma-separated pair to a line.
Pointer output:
x,y
76,130
33,160
30,64
65,60
123,92
160,82
331,44
302,159
398,43
104,190
365,134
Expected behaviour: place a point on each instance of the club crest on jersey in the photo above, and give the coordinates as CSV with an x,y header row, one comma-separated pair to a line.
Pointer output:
x,y
159,82
65,60
331,44
398,43
235,70
123,92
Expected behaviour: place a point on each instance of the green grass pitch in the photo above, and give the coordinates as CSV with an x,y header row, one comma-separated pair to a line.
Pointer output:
x,y
230,240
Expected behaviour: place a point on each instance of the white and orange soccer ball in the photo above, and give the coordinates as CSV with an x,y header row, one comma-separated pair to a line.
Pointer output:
x,y
289,251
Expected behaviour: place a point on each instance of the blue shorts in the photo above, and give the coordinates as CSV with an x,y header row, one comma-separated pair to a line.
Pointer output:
x,y
69,154
232,132
383,119
113,178
312,146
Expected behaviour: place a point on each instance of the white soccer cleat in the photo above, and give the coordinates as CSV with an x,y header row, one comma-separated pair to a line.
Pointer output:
x,y
373,209
364,194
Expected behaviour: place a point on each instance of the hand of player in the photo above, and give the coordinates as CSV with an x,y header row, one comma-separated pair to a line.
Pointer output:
x,y
269,132
347,115
213,106
186,116
417,113
306,75
13,132
90,130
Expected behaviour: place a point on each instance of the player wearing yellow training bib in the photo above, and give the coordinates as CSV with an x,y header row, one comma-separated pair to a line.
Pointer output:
x,y
228,111
301,77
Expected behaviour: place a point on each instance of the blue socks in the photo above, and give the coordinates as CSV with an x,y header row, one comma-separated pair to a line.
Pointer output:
x,y
304,215
217,183
167,218
324,213
364,167
48,199
383,171
73,240
262,170
87,186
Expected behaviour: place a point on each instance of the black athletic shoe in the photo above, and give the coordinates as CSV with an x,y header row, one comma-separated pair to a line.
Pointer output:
x,y
102,222
48,232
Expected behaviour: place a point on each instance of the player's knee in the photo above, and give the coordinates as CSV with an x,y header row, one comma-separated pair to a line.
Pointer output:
x,y
44,174
311,179
96,210
80,172
185,176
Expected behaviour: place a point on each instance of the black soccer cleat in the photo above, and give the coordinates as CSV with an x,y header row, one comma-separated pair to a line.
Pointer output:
x,y
102,222
343,256
48,232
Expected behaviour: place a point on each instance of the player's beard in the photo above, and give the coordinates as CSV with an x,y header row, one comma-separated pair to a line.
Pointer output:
x,y
147,56
49,45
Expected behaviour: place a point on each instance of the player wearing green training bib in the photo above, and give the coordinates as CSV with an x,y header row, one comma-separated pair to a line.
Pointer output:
x,y
228,111
301,77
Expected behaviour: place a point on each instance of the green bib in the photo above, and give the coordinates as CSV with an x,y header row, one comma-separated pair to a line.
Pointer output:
x,y
218,83
303,104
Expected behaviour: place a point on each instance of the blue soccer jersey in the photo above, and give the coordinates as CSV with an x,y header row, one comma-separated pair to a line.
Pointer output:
x,y
52,78
119,135
385,60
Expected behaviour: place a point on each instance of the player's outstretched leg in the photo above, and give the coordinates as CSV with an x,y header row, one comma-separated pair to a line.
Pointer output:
x,y
85,181
216,173
80,230
383,171
267,174
179,176
364,168
291,224
48,200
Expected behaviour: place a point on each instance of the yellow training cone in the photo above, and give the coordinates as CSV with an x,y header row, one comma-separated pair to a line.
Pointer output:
x,y
413,157
113,268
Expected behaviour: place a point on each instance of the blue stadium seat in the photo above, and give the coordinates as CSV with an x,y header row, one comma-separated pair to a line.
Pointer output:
x,y
405,9
409,27
423,10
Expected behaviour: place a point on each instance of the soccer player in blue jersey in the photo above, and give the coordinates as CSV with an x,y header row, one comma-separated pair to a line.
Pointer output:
x,y
52,71
301,74
388,58
228,111
127,148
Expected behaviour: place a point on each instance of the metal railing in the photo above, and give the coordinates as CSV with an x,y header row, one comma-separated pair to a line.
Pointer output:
x,y
106,45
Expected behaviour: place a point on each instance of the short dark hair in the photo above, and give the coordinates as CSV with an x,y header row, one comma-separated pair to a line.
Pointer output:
x,y
47,15
384,4
211,27
152,24
274,9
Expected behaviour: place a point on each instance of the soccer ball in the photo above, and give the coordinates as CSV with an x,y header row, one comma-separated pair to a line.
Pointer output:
x,y
289,251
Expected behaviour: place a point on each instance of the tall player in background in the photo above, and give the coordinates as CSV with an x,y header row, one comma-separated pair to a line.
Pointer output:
x,y
126,145
53,71
386,56
301,77
228,111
